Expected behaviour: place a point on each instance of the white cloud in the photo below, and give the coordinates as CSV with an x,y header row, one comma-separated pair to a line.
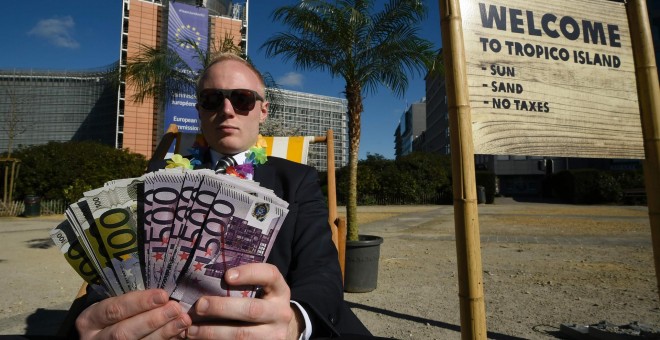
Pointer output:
x,y
291,79
58,31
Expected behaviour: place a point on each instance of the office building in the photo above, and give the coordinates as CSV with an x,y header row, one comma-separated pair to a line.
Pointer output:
x,y
315,114
436,136
411,125
39,106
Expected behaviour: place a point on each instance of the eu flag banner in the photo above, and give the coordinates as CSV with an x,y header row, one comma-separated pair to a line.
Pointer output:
x,y
187,25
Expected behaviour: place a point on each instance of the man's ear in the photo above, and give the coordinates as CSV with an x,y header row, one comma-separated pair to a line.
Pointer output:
x,y
263,114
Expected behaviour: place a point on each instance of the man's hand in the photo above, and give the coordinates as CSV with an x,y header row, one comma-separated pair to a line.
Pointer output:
x,y
270,317
134,315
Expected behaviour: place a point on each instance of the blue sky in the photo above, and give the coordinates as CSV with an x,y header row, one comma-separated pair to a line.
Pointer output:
x,y
72,35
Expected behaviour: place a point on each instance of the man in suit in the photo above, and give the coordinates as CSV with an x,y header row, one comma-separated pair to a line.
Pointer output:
x,y
302,285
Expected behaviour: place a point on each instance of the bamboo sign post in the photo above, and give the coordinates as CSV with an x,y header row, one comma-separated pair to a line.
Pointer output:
x,y
544,78
468,244
649,104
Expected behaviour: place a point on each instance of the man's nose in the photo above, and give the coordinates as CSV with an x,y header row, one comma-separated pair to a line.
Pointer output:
x,y
228,108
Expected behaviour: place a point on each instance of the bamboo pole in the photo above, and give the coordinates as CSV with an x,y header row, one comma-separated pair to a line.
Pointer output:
x,y
646,73
468,247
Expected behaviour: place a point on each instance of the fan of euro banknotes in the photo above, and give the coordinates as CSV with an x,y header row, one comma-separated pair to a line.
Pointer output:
x,y
174,229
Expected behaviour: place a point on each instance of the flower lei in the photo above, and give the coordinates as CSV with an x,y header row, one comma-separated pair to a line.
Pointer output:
x,y
256,155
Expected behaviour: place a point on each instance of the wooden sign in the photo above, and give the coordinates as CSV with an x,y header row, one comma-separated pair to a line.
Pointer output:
x,y
551,78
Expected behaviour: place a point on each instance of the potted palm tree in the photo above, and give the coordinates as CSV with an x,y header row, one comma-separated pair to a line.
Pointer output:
x,y
366,48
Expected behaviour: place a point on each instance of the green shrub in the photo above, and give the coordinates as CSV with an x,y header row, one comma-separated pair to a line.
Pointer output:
x,y
633,179
586,186
411,179
65,170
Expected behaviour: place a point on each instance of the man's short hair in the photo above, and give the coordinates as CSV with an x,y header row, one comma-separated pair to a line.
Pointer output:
x,y
229,56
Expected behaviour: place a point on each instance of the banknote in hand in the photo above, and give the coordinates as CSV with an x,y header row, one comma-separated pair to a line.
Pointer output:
x,y
174,229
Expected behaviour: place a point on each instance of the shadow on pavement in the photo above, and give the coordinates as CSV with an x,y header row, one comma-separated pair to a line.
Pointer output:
x,y
42,324
440,324
535,199
40,243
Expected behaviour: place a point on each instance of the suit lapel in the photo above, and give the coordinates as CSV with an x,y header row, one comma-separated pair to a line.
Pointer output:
x,y
266,176
206,161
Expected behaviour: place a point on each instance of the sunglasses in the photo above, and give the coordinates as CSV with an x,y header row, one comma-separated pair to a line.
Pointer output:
x,y
240,99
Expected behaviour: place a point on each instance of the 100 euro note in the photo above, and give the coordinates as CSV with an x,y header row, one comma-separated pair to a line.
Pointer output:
x,y
239,229
65,239
94,250
110,233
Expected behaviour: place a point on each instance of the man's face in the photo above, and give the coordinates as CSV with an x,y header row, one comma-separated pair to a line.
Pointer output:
x,y
227,130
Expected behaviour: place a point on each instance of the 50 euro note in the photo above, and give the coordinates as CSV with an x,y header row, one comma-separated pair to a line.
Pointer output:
x,y
240,228
111,232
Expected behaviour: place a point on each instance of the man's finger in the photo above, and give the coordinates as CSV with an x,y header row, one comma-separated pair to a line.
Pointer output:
x,y
116,309
163,322
260,274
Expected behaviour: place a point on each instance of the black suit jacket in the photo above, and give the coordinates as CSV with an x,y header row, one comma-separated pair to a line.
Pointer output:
x,y
303,250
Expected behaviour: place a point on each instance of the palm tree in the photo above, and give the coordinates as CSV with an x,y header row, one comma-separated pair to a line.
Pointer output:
x,y
160,72
367,49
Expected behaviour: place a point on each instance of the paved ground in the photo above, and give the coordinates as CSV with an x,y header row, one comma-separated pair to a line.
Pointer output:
x,y
38,285
543,265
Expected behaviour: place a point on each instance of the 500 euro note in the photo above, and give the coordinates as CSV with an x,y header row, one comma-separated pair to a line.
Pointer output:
x,y
239,229
191,227
189,188
165,192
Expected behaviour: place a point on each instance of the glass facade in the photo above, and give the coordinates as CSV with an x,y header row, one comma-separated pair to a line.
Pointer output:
x,y
60,106
315,114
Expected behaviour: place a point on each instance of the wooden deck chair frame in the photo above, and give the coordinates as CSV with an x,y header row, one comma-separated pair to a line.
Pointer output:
x,y
337,224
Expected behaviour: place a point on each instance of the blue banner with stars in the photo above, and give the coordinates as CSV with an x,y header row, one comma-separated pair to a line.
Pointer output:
x,y
187,25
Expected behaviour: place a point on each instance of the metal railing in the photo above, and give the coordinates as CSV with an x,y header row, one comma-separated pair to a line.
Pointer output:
x,y
400,200
47,207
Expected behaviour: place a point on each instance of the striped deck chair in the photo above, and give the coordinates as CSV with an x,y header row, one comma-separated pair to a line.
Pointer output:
x,y
297,149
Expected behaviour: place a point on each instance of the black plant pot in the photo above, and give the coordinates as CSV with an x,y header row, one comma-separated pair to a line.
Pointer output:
x,y
361,272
